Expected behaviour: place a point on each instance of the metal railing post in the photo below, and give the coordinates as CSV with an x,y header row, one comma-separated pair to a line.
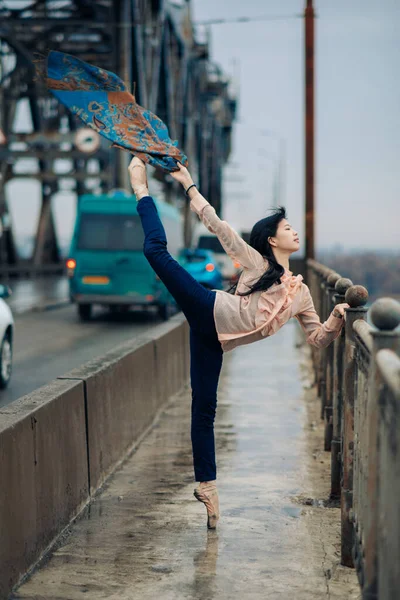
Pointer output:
x,y
322,361
341,287
356,296
328,365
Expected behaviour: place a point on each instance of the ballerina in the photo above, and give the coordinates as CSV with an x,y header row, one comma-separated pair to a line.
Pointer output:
x,y
266,296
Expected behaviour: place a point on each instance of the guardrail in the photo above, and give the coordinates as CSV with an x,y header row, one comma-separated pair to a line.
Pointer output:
x,y
358,382
25,268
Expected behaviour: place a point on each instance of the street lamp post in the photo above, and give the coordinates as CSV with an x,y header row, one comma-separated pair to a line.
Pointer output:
x,y
309,16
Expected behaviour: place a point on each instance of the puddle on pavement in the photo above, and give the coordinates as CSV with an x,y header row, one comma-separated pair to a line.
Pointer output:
x,y
291,511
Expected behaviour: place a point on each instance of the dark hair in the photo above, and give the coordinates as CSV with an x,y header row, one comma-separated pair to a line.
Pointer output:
x,y
259,235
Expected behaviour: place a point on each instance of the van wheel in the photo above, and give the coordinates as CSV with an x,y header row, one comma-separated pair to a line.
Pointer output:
x,y
5,361
84,311
164,311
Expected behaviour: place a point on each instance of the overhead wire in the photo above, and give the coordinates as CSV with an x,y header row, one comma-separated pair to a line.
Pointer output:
x,y
249,19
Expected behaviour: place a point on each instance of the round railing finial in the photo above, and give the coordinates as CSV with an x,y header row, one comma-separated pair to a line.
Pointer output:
x,y
385,313
333,278
356,296
342,285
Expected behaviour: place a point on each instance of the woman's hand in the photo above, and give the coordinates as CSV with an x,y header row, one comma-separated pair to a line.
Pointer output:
x,y
138,177
183,176
338,311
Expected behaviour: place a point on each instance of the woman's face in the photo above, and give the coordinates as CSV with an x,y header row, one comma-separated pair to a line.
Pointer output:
x,y
286,238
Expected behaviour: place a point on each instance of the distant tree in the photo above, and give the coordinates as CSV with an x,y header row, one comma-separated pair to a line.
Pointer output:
x,y
379,273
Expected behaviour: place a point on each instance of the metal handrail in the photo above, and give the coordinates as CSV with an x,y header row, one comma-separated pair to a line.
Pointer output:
x,y
358,384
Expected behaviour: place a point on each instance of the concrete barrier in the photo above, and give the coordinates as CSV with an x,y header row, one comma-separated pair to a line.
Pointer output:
x,y
171,351
60,443
124,390
120,395
43,474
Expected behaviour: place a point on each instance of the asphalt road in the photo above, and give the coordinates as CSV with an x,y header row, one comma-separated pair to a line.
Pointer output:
x,y
50,343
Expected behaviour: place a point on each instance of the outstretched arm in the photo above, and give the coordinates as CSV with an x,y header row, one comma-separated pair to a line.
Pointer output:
x,y
320,334
233,244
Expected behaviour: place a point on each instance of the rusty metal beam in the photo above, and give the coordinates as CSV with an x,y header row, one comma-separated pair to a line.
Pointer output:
x,y
46,246
123,53
8,251
309,18
138,68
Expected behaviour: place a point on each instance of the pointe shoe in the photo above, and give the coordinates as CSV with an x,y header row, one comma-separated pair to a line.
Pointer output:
x,y
208,494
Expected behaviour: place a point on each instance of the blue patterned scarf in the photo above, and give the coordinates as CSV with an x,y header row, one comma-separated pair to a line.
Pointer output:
x,y
102,101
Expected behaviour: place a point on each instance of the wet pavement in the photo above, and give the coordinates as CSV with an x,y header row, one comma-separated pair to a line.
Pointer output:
x,y
50,343
145,535
38,293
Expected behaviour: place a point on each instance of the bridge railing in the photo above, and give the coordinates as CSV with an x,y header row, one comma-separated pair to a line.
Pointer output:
x,y
358,383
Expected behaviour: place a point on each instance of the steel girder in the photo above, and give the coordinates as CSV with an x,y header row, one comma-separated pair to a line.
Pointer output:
x,y
151,45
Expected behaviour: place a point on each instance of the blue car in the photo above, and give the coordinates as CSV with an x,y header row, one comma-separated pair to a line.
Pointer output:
x,y
201,264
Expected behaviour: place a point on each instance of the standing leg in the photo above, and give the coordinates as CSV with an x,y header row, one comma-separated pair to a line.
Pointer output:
x,y
205,367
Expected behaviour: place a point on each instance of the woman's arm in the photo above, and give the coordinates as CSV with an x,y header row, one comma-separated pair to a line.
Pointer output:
x,y
320,334
233,244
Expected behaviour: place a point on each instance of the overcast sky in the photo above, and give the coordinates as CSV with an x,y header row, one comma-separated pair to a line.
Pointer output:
x,y
357,120
357,114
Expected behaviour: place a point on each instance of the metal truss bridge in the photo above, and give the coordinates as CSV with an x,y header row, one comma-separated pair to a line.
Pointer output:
x,y
152,46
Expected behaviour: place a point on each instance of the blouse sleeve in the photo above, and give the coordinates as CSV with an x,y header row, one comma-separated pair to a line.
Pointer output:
x,y
318,334
233,244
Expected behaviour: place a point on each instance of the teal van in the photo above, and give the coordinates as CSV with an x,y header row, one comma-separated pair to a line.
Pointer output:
x,y
106,264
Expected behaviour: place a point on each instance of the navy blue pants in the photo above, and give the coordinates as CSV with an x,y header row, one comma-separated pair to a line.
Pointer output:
x,y
197,304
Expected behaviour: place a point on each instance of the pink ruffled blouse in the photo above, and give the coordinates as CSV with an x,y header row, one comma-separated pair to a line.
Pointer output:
x,y
244,319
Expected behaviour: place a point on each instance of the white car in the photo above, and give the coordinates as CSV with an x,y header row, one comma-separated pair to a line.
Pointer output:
x,y
6,338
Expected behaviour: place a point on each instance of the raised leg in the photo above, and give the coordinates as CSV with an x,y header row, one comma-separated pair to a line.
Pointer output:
x,y
196,302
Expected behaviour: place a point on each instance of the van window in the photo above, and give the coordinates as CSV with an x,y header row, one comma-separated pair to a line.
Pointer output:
x,y
110,232
206,242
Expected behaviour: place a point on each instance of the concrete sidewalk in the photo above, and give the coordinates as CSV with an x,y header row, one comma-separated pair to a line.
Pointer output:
x,y
145,536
